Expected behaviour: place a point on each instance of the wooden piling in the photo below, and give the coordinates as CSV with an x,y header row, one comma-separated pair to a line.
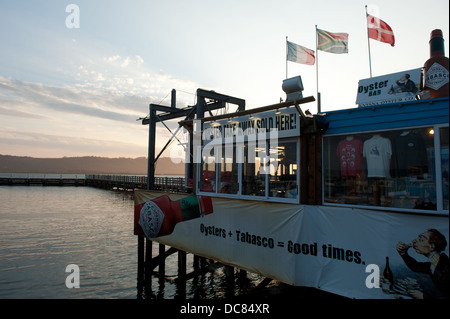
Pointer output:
x,y
229,281
181,280
196,263
147,263
243,274
162,269
148,270
162,261
140,262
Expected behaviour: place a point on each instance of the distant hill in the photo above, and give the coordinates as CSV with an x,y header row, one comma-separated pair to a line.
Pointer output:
x,y
87,165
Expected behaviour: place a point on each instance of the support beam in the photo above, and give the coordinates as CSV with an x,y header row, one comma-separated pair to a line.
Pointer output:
x,y
229,279
140,262
221,97
161,257
181,280
173,99
162,263
263,283
148,261
151,149
253,111
181,265
172,112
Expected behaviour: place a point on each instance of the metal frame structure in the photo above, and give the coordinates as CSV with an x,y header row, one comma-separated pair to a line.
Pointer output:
x,y
207,101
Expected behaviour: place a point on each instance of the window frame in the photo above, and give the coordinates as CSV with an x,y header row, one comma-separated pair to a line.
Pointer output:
x,y
438,172
239,195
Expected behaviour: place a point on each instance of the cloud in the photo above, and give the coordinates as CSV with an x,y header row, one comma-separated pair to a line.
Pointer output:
x,y
112,58
15,113
96,115
53,145
124,62
129,76
18,97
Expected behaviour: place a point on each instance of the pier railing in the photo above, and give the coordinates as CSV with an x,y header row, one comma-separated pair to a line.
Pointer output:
x,y
42,179
164,183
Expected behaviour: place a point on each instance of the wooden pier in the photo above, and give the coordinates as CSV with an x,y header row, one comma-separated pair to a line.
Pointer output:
x,y
130,182
120,182
29,179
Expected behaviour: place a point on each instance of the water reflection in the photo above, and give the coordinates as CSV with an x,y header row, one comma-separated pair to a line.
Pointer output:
x,y
204,279
44,229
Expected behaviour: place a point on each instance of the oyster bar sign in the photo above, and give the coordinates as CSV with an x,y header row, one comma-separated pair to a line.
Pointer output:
x,y
436,76
390,88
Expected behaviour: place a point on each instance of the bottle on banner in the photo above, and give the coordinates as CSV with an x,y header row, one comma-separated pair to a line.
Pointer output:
x,y
159,216
388,277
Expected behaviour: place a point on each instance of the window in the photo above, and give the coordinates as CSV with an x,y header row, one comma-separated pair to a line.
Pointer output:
x,y
253,172
251,157
395,169
228,178
263,170
208,171
444,164
283,175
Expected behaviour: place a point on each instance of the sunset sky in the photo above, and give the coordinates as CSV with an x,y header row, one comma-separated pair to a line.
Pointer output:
x,y
78,91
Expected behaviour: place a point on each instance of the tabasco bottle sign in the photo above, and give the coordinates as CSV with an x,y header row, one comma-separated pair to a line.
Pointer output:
x,y
151,219
436,76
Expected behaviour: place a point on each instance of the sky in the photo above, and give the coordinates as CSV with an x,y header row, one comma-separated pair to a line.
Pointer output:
x,y
69,89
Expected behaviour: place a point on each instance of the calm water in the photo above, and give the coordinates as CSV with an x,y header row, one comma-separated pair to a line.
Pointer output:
x,y
44,229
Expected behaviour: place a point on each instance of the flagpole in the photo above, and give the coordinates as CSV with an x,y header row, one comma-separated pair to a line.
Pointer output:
x,y
317,75
286,57
368,43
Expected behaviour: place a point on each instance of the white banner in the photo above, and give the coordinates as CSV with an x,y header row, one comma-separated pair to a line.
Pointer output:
x,y
285,122
390,88
339,250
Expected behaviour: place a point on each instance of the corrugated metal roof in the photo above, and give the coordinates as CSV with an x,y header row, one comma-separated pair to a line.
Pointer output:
x,y
390,116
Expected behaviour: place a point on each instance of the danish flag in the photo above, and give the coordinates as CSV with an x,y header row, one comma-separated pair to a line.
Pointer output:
x,y
380,30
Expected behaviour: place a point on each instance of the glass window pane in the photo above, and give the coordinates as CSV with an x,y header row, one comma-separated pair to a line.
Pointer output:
x,y
283,171
208,169
414,185
228,183
444,164
253,170
391,169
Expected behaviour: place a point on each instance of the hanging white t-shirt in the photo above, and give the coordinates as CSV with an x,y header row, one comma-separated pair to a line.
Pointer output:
x,y
377,152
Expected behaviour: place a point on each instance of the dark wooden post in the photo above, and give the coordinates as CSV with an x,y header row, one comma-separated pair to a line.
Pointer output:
x,y
140,261
147,268
151,149
196,263
162,263
242,275
181,282
229,281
